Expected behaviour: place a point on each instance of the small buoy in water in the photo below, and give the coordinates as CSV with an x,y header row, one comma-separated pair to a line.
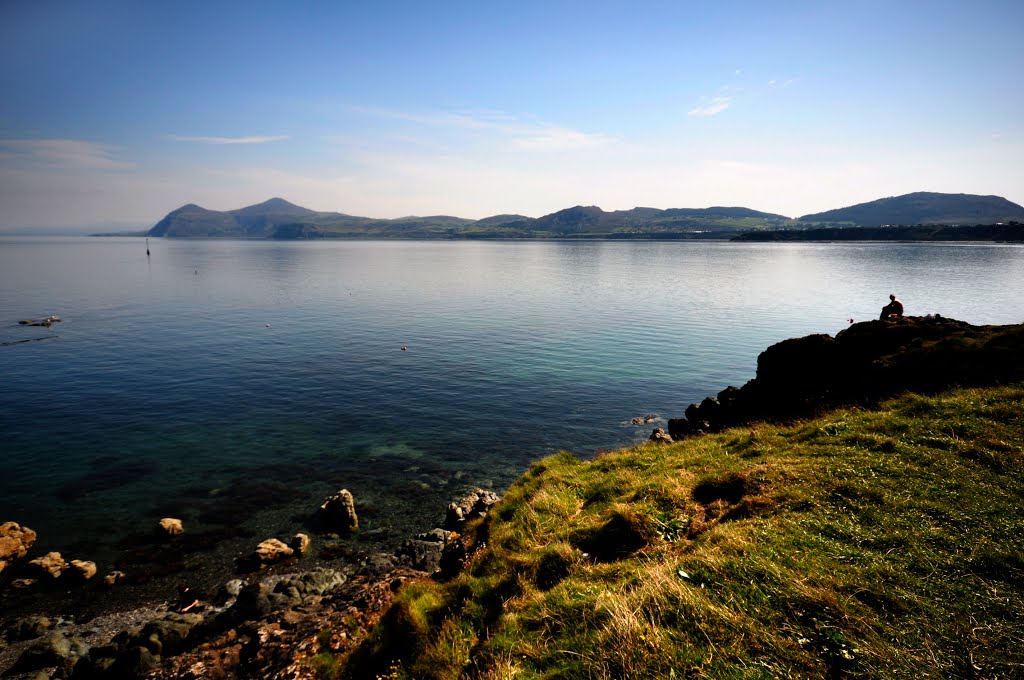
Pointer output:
x,y
404,348
268,325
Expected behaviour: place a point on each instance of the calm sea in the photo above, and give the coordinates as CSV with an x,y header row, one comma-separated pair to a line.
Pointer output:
x,y
236,383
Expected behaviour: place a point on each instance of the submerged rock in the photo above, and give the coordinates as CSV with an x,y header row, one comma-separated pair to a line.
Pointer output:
x,y
46,321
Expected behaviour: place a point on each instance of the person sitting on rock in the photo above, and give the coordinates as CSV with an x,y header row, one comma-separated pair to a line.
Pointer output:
x,y
894,308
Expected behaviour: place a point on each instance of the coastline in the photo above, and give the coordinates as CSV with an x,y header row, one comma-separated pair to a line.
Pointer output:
x,y
913,353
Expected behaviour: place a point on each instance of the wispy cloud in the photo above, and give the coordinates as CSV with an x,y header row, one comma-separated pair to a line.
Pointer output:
x,y
257,139
713,107
521,131
62,153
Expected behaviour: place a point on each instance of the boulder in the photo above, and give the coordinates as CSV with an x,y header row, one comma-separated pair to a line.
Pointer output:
x,y
660,436
272,550
15,540
300,544
338,512
82,569
475,504
170,526
49,565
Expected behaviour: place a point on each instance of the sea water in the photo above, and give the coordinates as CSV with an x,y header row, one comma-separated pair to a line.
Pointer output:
x,y
237,383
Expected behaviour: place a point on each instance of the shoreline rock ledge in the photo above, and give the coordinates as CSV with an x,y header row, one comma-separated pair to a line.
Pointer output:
x,y
862,364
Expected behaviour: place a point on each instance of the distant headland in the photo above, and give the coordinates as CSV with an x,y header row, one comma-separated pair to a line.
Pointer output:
x,y
918,216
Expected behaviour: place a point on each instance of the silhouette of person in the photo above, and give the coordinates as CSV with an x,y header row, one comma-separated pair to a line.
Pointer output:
x,y
894,308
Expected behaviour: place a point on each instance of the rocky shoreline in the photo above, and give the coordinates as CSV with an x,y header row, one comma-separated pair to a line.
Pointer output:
x,y
270,622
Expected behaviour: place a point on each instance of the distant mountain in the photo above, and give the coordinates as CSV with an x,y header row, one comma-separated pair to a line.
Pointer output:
x,y
279,219
924,208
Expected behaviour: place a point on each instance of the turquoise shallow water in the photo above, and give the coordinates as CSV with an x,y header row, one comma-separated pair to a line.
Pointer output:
x,y
237,383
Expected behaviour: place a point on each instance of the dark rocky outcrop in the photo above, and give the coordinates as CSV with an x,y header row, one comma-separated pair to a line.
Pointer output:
x,y
868,361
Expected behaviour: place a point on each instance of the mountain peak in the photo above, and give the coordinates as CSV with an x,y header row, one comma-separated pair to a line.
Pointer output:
x,y
277,206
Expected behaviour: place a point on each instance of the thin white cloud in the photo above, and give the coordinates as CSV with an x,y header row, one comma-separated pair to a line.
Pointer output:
x,y
257,139
71,154
712,108
521,131
554,138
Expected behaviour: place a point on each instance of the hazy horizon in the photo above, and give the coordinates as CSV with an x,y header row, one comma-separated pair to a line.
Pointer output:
x,y
116,113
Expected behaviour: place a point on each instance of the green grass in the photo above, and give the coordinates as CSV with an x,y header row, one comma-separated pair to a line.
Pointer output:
x,y
875,544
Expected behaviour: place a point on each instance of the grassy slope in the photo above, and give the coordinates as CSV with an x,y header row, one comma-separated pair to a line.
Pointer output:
x,y
885,543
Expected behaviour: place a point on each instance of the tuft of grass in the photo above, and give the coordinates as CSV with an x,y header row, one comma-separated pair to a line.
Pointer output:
x,y
875,544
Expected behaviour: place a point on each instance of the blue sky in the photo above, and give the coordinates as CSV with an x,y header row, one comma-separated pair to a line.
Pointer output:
x,y
118,112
